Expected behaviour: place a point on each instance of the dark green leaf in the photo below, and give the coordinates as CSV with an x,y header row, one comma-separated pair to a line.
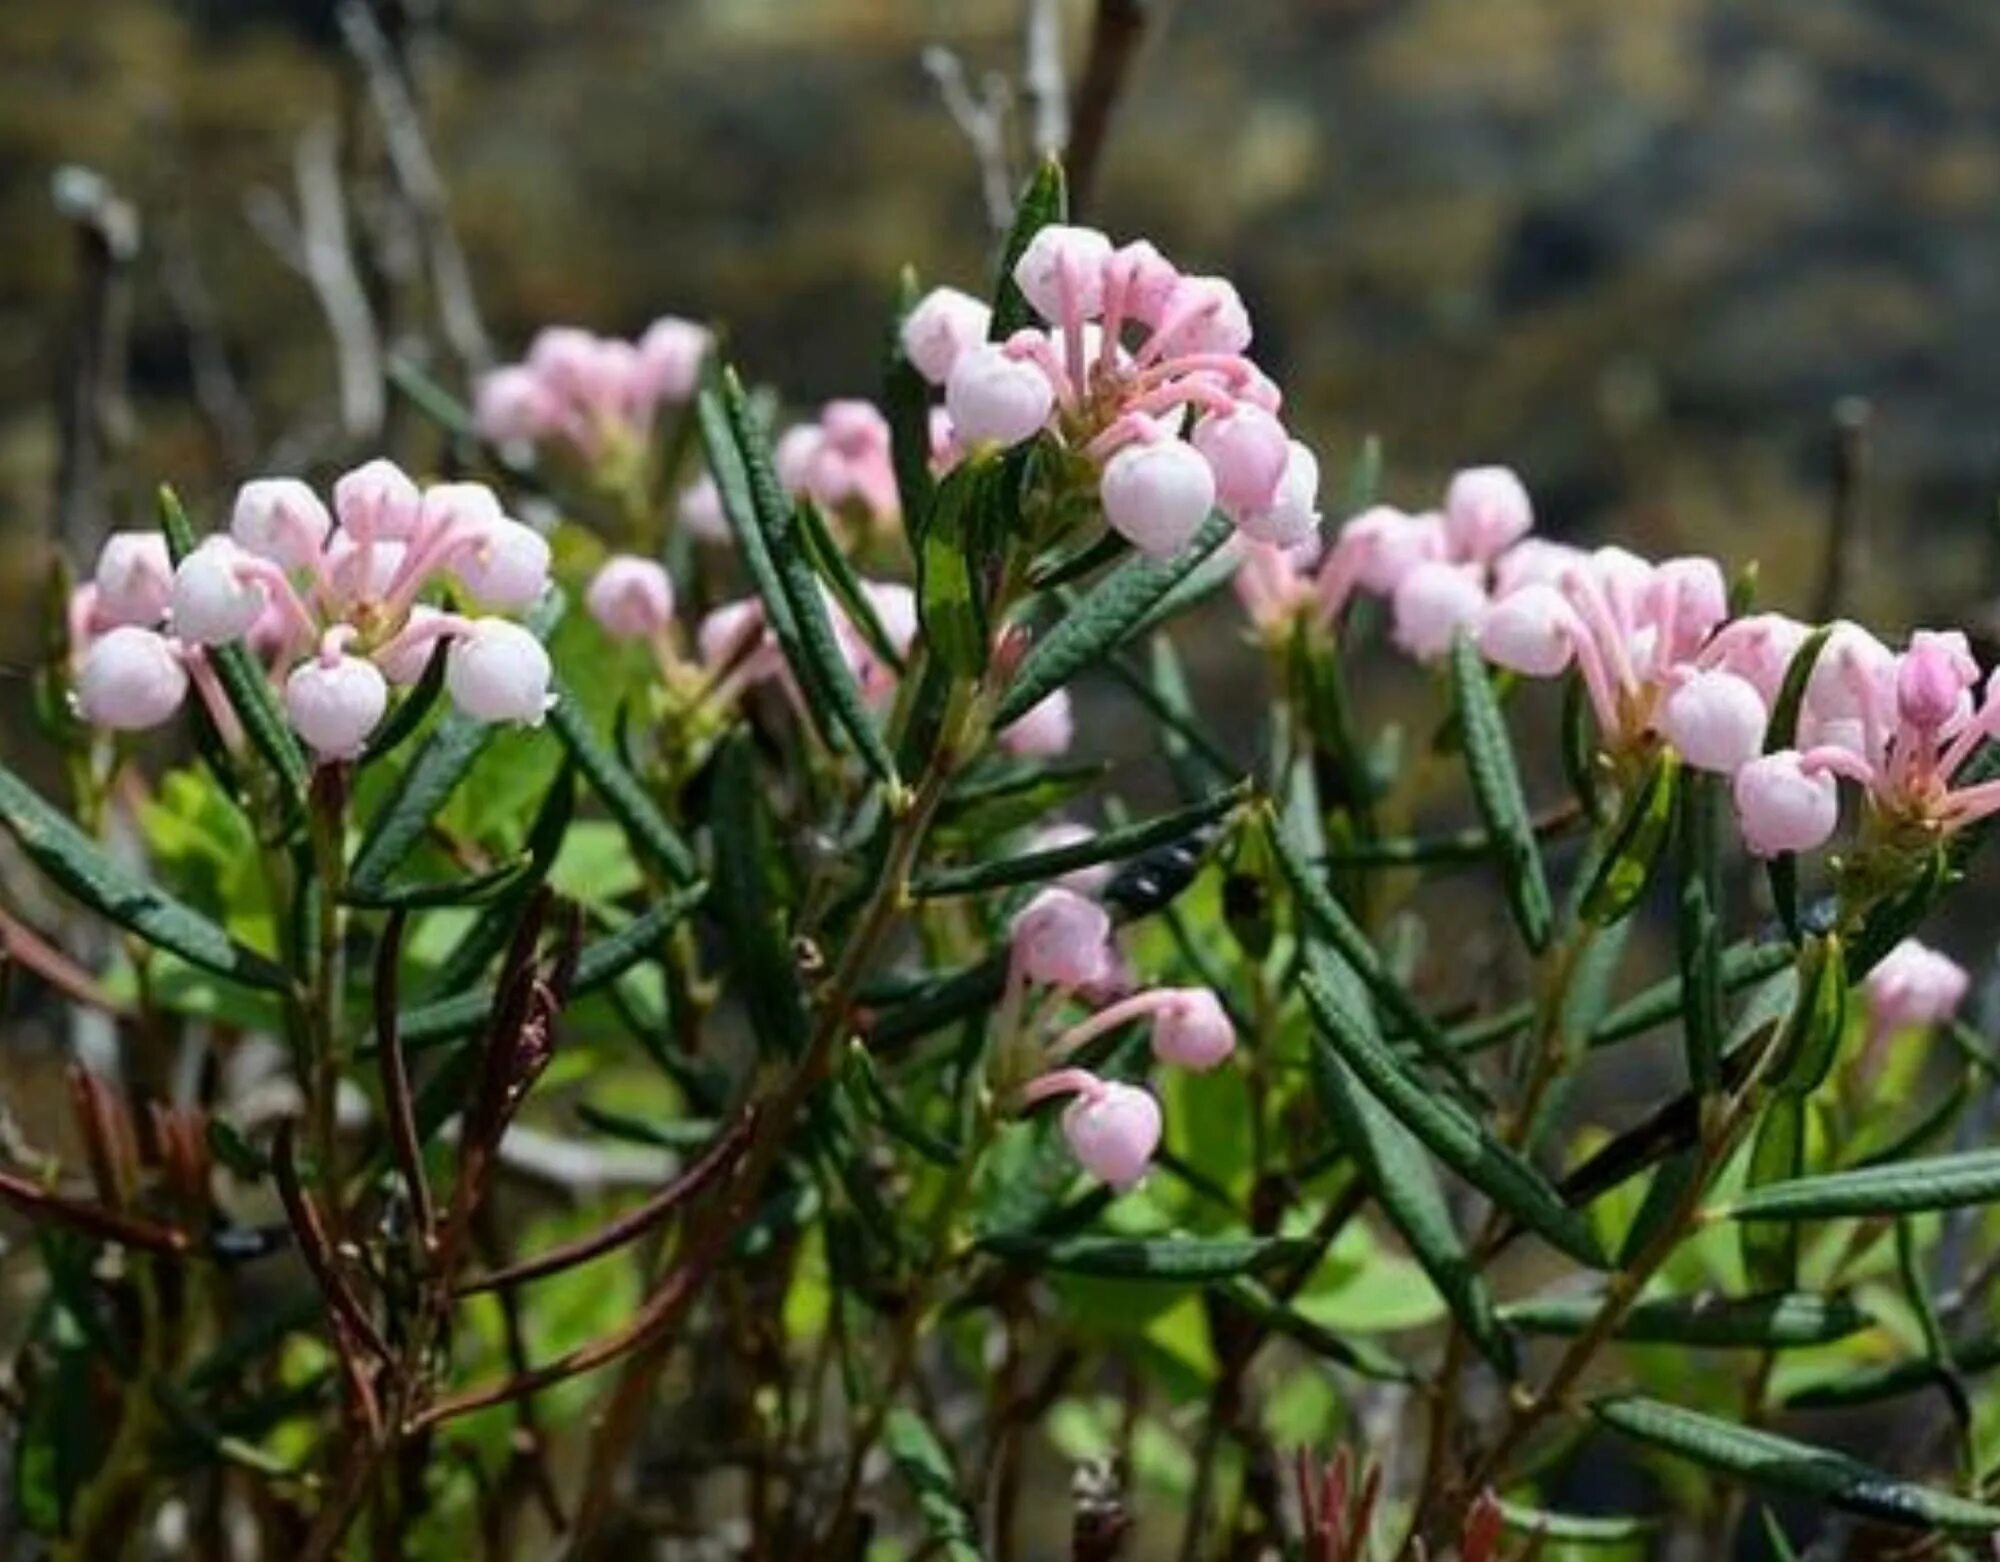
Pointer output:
x,y
1574,1529
1357,1356
1742,965
1045,200
1936,1182
1170,1260
621,791
1782,733
951,591
753,921
1636,844
1777,1322
938,1002
473,890
921,1459
834,567
411,710
1496,788
1810,1040
1700,927
1873,1383
1777,1154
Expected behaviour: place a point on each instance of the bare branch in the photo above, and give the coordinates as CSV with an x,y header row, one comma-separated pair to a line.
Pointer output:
x,y
1042,77
982,119
93,417
1114,43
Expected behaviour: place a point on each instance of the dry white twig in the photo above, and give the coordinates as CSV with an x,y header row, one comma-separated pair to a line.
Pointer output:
x,y
1044,80
982,119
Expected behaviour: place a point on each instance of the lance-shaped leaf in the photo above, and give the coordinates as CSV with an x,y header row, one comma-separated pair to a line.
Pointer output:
x,y
765,525
1400,1175
838,572
746,865
1357,1356
244,681
920,1459
1636,844
474,889
1777,1154
1496,788
1778,1322
1742,965
1782,733
1451,1133
106,886
1184,1260
1936,1182
620,791
1574,1529
1045,200
937,1001
410,711
1785,1464
1876,1382
1103,619
951,560
1810,1040
906,405
1115,845
1700,927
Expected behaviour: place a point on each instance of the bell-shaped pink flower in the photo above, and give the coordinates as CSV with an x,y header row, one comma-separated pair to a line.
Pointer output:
x,y
1292,518
1248,450
944,323
1044,730
1060,939
700,511
1433,604
134,579
215,597
631,598
1935,678
506,565
1684,599
334,703
670,357
1061,272
378,501
996,398
1191,1029
1912,986
512,404
1156,495
281,519
130,679
1784,806
1113,1132
1534,561
1716,720
1759,649
498,671
1531,630
1202,315
1143,281
1385,544
1486,511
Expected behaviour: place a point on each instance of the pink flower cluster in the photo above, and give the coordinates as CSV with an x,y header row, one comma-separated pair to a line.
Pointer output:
x,y
591,393
1141,370
1061,942
841,462
330,605
1913,986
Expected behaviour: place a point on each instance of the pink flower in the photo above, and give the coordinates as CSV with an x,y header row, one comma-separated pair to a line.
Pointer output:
x,y
134,579
1291,519
701,511
281,519
1486,511
944,323
995,397
217,593
334,701
1059,939
1716,720
1112,1128
592,394
1433,605
378,501
631,598
1783,806
1191,1029
512,405
498,671
1044,730
842,462
1247,449
1087,881
1913,986
1157,494
1274,585
670,357
130,678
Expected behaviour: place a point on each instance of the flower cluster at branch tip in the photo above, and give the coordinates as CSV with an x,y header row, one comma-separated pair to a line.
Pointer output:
x,y
841,462
1176,421
328,600
590,393
1913,985
1061,941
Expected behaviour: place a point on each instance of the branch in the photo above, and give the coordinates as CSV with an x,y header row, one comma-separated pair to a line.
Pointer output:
x,y
1042,77
1114,44
982,120
93,417
94,1219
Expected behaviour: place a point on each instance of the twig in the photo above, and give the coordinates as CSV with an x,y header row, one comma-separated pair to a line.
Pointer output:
x,y
1845,511
28,949
982,119
397,1104
1043,79
349,1320
94,420
1115,37
109,1225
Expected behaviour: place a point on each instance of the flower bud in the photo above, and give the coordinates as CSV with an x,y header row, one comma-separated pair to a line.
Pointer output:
x,y
1269,583
1387,543
1783,807
134,579
1486,511
1293,515
334,705
631,598
564,359
507,566
1148,279
281,519
794,456
944,323
1192,1031
512,404
1157,495
498,671
1934,679
996,398
363,572
701,511
1758,649
1690,594
1534,560
378,501
1716,720
212,601
130,679
1852,689
727,632
895,606
1113,1131
1914,985
1062,940
1530,631
670,359
1247,449
1204,315
1042,731
1061,272
1435,602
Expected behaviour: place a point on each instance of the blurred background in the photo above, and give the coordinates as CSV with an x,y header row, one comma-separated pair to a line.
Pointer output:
x,y
1640,251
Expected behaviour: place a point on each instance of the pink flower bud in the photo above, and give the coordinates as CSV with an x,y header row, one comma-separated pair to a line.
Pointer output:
x,y
498,671
1534,560
670,359
1486,511
1061,272
1689,596
1783,807
1433,604
1147,277
212,601
1851,691
1203,315
631,598
1716,720
944,323
1934,679
1247,449
407,657
335,704
507,566
281,519
701,511
363,572
996,398
1061,940
795,453
1292,518
1191,1030
729,631
134,579
378,500
130,679
1531,631
1758,649
1157,495
1912,986
564,359
1113,1132
1269,583
513,404
895,607
1043,730
1386,544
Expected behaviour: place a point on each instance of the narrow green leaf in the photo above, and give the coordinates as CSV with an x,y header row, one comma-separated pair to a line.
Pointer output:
x,y
1045,200
1742,964
620,791
1664,1196
106,886
1700,927
1774,1536
1451,1133
894,1117
1357,1356
1115,845
1768,1459
906,405
1810,1040
1578,746
1937,1346
1782,733
1574,1529
1496,788
1936,1182
1401,1177
1871,1384
1783,1321
837,571
473,890
1636,844
1777,1154
752,919
1364,477
1169,1260
920,1458
951,596
1001,796
939,1002
411,710
1103,619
